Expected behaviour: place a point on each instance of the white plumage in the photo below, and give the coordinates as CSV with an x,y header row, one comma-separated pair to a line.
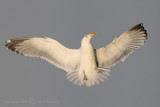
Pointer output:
x,y
85,65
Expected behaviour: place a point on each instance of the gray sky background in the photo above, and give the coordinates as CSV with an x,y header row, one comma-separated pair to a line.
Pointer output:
x,y
32,82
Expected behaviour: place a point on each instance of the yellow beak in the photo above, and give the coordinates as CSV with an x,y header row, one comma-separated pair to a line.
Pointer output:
x,y
93,33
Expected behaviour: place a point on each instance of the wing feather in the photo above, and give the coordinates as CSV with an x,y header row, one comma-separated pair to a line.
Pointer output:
x,y
121,47
48,49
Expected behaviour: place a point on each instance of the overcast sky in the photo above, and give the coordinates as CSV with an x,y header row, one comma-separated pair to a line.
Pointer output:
x,y
32,82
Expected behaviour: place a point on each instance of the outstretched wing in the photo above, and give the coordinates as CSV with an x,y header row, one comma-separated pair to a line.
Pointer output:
x,y
48,49
121,47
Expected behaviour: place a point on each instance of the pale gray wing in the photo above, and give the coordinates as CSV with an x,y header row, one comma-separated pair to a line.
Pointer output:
x,y
48,49
121,47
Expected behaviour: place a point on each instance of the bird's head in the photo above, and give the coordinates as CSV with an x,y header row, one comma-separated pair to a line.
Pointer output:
x,y
87,38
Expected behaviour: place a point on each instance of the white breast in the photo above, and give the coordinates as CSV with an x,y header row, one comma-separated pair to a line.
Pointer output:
x,y
88,68
87,57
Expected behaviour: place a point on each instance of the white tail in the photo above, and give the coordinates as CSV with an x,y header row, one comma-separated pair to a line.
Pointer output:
x,y
95,78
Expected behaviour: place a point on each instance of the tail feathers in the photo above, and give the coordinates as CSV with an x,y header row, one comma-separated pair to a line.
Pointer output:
x,y
95,78
74,77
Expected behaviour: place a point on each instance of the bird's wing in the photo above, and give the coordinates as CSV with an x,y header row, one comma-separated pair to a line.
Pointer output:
x,y
48,49
121,47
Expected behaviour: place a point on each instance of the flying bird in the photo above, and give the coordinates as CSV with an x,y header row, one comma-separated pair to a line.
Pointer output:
x,y
84,66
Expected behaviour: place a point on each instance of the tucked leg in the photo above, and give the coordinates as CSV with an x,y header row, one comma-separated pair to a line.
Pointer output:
x,y
85,77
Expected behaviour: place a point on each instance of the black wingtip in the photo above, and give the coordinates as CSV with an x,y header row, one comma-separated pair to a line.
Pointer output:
x,y
140,27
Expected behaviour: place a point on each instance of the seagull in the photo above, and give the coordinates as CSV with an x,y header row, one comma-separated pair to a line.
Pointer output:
x,y
86,65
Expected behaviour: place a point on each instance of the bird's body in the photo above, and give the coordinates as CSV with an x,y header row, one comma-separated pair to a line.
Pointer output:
x,y
85,65
87,62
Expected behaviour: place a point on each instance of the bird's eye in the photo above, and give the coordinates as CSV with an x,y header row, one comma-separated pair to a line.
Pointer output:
x,y
87,36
